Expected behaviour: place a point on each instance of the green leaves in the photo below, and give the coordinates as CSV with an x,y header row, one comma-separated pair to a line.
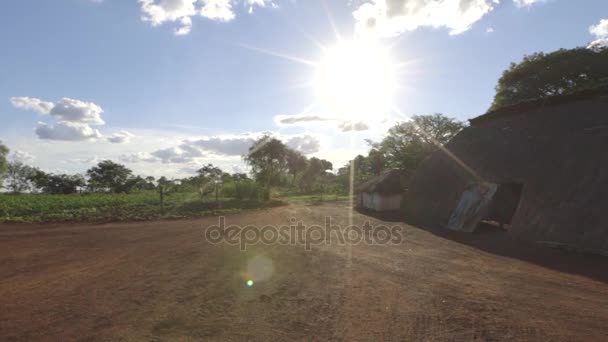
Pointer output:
x,y
561,72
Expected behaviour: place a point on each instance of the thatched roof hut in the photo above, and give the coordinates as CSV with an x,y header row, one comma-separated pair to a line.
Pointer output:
x,y
380,193
549,163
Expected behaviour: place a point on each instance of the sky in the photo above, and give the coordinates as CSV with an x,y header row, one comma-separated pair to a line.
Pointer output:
x,y
165,86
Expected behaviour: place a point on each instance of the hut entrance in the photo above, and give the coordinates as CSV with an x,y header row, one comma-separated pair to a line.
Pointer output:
x,y
504,203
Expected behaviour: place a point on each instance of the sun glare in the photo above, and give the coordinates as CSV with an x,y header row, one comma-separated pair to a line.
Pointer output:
x,y
355,79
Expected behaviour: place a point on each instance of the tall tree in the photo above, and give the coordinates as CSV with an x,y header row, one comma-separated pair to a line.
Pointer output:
x,y
315,170
110,176
408,143
377,161
3,162
296,164
541,75
267,158
18,177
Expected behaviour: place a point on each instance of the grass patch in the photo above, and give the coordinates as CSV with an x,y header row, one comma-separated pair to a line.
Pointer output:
x,y
312,199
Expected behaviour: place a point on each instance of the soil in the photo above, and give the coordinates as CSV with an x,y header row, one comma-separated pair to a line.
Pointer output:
x,y
162,281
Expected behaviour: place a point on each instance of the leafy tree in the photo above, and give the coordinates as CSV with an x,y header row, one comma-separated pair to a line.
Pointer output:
x,y
377,161
3,161
18,177
110,176
315,170
408,143
238,177
56,184
209,172
267,158
541,75
208,177
296,163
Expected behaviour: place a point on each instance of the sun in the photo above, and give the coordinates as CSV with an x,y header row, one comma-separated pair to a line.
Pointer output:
x,y
355,79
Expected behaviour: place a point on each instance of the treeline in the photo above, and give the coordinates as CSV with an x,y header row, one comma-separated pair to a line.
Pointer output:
x,y
272,164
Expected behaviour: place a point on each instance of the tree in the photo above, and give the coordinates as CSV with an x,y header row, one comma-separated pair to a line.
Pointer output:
x,y
541,75
315,170
110,176
3,161
408,143
18,177
377,161
267,158
296,163
208,177
56,184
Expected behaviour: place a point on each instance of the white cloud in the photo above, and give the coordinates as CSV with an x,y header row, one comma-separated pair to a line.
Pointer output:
x,y
229,147
299,119
22,156
67,131
260,3
217,10
224,145
32,103
600,31
120,137
392,17
306,144
490,30
77,111
172,155
185,27
73,120
525,3
138,157
66,109
158,12
354,126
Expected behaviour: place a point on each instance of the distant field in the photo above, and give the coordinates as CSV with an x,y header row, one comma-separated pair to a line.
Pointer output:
x,y
312,199
114,207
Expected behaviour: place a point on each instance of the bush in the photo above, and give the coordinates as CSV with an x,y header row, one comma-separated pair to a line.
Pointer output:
x,y
246,189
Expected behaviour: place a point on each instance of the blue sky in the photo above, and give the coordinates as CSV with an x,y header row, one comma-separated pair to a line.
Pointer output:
x,y
112,80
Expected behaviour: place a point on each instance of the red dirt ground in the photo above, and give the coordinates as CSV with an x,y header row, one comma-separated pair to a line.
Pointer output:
x,y
160,281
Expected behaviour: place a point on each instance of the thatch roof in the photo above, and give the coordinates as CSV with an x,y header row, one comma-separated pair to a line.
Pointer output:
x,y
386,183
531,105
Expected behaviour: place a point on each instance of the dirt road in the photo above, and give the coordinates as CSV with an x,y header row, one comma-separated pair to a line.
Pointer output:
x,y
160,281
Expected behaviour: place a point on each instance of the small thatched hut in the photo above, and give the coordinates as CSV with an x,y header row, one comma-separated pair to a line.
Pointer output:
x,y
380,193
545,163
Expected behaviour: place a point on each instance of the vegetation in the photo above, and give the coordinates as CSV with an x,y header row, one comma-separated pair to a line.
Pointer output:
x,y
543,75
274,164
404,147
100,207
3,161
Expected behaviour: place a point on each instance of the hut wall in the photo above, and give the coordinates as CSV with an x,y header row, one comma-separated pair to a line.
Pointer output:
x,y
380,202
558,153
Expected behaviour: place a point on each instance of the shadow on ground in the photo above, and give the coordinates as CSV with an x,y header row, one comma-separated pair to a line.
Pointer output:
x,y
492,239
387,216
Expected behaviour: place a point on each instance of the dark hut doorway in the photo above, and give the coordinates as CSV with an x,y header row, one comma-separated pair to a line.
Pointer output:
x,y
504,204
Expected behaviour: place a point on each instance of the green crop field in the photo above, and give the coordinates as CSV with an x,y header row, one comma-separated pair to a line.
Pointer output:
x,y
115,207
